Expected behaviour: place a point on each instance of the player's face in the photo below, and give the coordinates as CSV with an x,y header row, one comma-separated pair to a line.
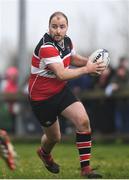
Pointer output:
x,y
58,28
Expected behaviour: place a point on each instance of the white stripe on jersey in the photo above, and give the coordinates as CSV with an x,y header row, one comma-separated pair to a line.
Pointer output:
x,y
45,46
49,45
35,70
55,59
42,72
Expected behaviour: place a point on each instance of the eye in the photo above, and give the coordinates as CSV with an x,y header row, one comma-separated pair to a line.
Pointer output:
x,y
62,26
54,26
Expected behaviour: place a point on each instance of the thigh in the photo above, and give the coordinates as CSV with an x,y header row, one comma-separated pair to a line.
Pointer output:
x,y
76,113
67,98
45,112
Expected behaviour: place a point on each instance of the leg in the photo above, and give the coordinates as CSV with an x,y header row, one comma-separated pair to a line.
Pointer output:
x,y
46,113
49,139
78,115
7,151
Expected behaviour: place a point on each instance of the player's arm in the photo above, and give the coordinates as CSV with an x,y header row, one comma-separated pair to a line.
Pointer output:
x,y
67,74
52,60
78,60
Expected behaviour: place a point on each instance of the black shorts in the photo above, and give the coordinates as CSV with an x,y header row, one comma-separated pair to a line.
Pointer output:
x,y
48,110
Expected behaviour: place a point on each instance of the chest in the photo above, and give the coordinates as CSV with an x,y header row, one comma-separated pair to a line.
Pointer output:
x,y
65,55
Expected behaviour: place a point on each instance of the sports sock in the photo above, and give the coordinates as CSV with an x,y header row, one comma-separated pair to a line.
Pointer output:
x,y
44,152
83,142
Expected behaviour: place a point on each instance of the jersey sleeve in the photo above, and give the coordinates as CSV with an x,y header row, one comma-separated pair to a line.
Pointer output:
x,y
49,54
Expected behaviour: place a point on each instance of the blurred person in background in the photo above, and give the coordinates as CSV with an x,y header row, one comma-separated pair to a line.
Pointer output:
x,y
11,80
124,61
10,85
104,79
80,84
50,95
119,82
7,152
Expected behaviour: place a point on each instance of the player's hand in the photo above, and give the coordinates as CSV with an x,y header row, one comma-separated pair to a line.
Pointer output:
x,y
96,67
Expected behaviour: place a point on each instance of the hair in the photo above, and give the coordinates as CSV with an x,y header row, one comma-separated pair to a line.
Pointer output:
x,y
58,13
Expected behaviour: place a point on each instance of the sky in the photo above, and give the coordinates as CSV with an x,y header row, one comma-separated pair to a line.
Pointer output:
x,y
92,24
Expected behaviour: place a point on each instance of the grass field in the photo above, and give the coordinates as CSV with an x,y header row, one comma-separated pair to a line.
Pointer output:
x,y
112,161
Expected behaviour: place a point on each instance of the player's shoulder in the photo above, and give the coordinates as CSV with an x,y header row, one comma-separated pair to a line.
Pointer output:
x,y
44,44
67,39
47,40
68,42
48,48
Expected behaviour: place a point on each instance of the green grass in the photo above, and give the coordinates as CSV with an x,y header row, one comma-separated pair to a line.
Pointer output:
x,y
112,161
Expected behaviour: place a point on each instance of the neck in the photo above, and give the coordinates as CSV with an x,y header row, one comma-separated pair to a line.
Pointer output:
x,y
61,43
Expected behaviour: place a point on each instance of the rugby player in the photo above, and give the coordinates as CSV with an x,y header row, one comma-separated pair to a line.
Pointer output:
x,y
50,95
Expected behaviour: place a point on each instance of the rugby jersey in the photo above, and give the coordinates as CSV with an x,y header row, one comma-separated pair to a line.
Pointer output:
x,y
43,83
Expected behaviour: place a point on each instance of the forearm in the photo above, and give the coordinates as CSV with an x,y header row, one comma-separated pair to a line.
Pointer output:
x,y
63,73
78,60
68,74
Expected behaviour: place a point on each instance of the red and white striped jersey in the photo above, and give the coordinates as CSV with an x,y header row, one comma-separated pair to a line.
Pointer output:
x,y
43,83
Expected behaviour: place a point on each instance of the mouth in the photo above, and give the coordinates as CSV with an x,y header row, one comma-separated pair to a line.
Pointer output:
x,y
57,36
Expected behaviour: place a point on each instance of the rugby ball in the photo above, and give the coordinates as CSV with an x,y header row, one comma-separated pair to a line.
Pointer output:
x,y
102,54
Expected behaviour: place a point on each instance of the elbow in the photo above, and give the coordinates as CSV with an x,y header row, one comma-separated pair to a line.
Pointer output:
x,y
61,77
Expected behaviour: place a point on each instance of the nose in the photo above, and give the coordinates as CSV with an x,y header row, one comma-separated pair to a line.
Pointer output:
x,y
58,30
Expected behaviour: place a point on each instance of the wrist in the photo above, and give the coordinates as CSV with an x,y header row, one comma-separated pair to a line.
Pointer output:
x,y
85,70
87,59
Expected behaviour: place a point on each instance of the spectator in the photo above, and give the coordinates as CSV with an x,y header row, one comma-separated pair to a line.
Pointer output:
x,y
11,77
119,82
10,85
124,61
105,77
81,84
102,110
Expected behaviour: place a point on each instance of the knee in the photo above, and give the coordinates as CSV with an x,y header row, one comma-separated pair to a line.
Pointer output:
x,y
83,124
55,139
